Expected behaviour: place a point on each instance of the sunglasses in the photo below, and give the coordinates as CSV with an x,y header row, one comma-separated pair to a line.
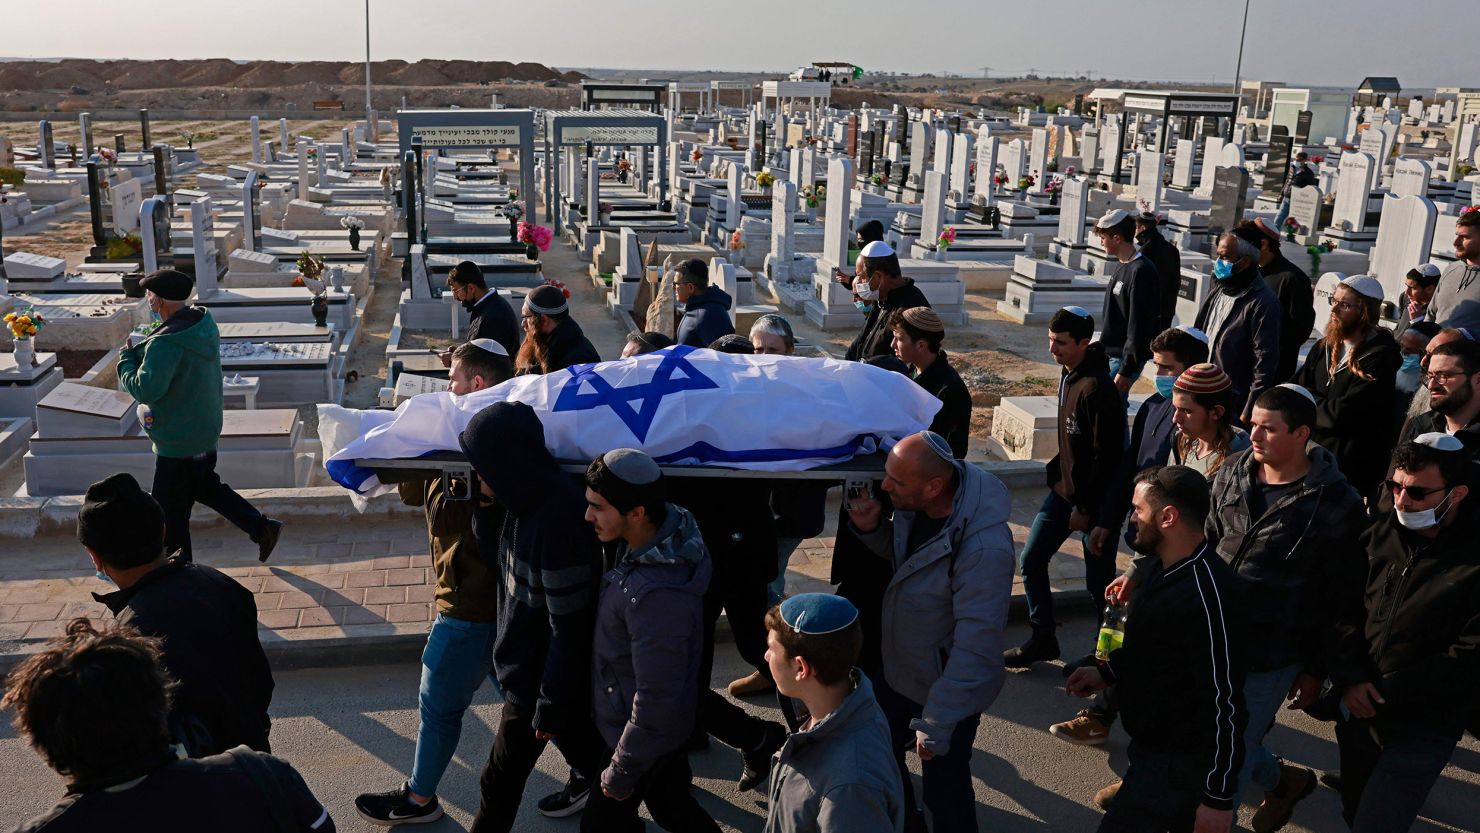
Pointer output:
x,y
1415,492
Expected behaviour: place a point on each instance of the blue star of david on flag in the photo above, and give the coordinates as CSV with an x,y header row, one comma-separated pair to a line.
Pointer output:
x,y
651,393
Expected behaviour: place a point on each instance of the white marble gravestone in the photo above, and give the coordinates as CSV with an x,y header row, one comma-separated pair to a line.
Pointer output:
x,y
1073,208
1405,235
1354,184
1411,177
256,127
1305,207
203,246
1149,167
943,151
986,166
783,230
1183,165
1014,160
1212,159
302,148
25,266
1038,159
932,208
960,178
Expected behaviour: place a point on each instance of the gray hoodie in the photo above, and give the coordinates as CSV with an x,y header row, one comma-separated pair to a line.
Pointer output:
x,y
645,656
839,776
1456,300
946,605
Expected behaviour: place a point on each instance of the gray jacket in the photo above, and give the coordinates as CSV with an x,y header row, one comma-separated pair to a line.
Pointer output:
x,y
645,657
946,605
1456,301
839,776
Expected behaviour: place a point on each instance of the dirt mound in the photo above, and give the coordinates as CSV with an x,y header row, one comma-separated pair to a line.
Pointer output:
x,y
419,74
214,72
66,74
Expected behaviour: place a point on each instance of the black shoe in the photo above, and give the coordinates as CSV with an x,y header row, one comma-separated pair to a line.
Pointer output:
x,y
698,741
1086,661
758,760
1331,778
570,800
269,539
1036,649
396,807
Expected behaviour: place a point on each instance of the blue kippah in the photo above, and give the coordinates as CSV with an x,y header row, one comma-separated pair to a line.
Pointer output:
x,y
818,613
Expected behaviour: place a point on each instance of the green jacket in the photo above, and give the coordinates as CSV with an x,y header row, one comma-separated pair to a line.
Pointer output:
x,y
176,376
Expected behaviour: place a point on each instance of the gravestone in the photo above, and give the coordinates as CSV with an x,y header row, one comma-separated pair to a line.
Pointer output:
x,y
1110,148
203,245
932,208
1231,155
162,186
783,239
1212,160
1411,177
1277,166
1305,207
1302,127
1073,208
1183,165
943,153
1014,160
302,146
960,182
25,266
1149,167
126,197
1089,148
1038,159
734,207
256,128
77,410
84,121
283,134
1230,198
1353,185
920,150
146,137
1371,143
251,225
1405,235
835,231
986,166
866,155
45,145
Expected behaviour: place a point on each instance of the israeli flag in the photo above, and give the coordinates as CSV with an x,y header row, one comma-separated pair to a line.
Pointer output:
x,y
682,405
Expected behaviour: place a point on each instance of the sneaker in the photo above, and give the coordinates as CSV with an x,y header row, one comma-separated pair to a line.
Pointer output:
x,y
396,807
570,800
1086,661
756,683
758,760
1106,796
1331,778
1036,649
269,539
1086,729
1296,782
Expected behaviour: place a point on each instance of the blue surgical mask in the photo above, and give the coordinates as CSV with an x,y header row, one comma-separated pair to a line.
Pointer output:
x,y
1164,385
1222,269
102,576
1411,363
863,306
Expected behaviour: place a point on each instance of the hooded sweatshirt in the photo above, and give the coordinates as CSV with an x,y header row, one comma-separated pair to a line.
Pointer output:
x,y
1456,301
176,376
649,639
706,317
946,605
1091,433
547,557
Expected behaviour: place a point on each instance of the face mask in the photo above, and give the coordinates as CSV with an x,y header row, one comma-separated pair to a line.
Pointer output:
x,y
102,576
468,305
1164,385
863,306
1425,519
864,291
1411,363
1222,269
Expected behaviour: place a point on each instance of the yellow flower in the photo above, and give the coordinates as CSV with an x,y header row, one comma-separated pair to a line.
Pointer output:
x,y
24,321
9,316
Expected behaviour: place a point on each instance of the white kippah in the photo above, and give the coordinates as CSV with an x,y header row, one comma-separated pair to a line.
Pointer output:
x,y
877,248
490,345
1195,333
632,466
1440,441
1079,312
1300,390
1428,270
1112,218
1364,285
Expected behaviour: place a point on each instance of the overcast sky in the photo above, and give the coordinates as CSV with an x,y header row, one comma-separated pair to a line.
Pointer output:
x,y
1423,42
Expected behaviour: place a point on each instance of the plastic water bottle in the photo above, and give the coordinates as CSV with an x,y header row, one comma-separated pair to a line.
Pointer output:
x,y
1112,632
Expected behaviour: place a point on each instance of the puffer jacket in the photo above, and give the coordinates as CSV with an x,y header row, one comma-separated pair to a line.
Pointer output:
x,y
946,605
838,776
1291,562
706,317
645,656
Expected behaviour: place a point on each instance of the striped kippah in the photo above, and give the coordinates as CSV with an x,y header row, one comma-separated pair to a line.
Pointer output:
x,y
1203,378
924,318
546,300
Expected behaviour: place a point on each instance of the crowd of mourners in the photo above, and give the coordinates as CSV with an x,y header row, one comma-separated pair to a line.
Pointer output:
x,y
1299,522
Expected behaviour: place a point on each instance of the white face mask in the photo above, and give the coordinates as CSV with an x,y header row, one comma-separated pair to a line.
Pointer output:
x,y
1423,519
864,291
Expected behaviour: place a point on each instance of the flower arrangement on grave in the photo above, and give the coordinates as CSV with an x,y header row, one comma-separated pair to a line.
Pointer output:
x,y
1054,185
310,266
537,236
513,195
1025,182
1464,170
1317,159
123,248
808,195
765,179
354,224
696,155
877,179
560,285
608,176
736,242
24,324
623,166
1291,228
1070,171
189,139
946,238
108,155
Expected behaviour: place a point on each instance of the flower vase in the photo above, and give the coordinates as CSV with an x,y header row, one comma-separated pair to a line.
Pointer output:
x,y
513,231
940,252
811,213
354,239
319,306
532,251
1053,198
25,352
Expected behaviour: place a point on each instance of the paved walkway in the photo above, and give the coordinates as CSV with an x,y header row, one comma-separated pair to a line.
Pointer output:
x,y
369,579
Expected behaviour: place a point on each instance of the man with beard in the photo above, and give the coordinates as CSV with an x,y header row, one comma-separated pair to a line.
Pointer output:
x,y
1456,303
1179,675
1419,402
489,314
1241,316
884,290
552,339
1352,374
1453,381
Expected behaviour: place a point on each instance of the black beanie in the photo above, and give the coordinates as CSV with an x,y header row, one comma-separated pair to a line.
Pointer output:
x,y
121,523
169,284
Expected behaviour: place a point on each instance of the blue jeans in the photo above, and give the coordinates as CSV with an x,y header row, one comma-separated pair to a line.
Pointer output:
x,y
1388,768
1279,218
948,793
1049,532
1264,693
458,656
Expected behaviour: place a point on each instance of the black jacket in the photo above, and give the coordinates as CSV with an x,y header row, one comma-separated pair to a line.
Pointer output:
x,y
1091,433
874,338
492,317
1297,297
1247,346
1292,560
1179,677
568,346
214,793
1151,443
548,561
1352,419
953,420
706,317
1168,262
1415,632
1132,314
209,626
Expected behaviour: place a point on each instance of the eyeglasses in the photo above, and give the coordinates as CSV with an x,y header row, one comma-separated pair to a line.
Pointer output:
x,y
1342,305
1415,492
1444,376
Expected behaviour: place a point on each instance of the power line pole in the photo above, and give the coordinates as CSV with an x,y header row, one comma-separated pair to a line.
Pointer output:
x,y
1238,72
369,109
986,72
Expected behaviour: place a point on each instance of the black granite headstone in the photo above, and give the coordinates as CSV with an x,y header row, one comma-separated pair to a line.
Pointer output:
x,y
410,167
902,131
954,122
1277,166
144,130
1230,198
162,173
118,142
866,155
1302,127
760,148
48,142
95,203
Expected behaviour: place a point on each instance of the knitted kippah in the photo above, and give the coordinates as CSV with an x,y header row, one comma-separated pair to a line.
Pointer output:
x,y
877,248
546,300
1203,378
632,466
924,318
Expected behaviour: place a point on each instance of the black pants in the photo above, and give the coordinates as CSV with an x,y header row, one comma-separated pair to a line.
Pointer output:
x,y
664,789
1388,768
716,715
515,752
182,482
949,794
1160,794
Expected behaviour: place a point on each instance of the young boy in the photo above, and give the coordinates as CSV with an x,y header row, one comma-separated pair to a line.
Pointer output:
x,y
836,773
